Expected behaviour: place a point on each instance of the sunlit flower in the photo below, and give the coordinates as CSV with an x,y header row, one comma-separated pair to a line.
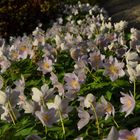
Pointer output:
x,y
89,100
131,72
131,58
113,68
128,103
120,26
61,105
45,66
3,97
28,106
41,96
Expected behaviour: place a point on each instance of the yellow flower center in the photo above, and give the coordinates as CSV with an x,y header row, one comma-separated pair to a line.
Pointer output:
x,y
113,69
14,54
46,65
129,103
45,118
131,137
74,84
108,108
23,48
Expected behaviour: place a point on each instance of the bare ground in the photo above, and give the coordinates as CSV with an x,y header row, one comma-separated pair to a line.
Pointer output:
x,y
128,10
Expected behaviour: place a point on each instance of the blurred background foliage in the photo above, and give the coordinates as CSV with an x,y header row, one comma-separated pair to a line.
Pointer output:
x,y
22,16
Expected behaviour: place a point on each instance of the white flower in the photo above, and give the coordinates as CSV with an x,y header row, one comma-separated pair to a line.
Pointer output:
x,y
2,97
120,26
37,94
128,103
28,106
89,100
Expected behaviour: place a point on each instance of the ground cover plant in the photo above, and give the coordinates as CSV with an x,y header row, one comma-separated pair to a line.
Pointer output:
x,y
79,80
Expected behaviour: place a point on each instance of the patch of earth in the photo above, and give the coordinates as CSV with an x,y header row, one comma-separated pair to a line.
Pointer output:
x,y
128,10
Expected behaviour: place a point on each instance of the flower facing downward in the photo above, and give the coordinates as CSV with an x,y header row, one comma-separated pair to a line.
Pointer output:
x,y
128,102
89,100
108,108
84,119
96,60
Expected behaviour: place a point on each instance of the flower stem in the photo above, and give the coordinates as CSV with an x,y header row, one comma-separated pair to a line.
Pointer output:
x,y
91,73
96,117
115,122
46,130
134,89
12,112
62,123
11,116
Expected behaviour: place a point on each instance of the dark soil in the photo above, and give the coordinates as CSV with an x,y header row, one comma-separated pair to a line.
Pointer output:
x,y
128,10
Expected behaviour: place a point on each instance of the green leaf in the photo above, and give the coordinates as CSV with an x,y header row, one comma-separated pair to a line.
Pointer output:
x,y
108,95
26,131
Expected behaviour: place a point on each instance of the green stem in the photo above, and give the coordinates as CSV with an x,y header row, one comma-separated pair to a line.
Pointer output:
x,y
46,130
12,112
62,123
134,89
96,117
91,73
42,101
11,116
115,122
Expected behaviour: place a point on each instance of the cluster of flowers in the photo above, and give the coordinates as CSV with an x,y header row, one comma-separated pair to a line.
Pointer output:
x,y
94,43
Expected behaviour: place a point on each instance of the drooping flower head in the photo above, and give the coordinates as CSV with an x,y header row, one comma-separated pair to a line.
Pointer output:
x,y
89,100
108,108
84,118
96,60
